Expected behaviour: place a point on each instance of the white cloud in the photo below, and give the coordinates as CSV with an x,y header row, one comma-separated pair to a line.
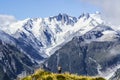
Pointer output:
x,y
110,9
5,20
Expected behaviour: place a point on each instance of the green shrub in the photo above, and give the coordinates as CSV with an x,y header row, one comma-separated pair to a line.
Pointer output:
x,y
100,78
47,78
84,78
60,77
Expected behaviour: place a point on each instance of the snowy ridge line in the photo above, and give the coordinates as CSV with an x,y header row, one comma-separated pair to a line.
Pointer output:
x,y
46,35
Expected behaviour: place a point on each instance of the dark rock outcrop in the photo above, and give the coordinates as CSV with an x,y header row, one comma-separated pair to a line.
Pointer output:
x,y
13,62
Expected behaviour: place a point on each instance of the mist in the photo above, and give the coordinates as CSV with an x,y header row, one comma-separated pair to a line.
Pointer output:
x,y
6,20
110,9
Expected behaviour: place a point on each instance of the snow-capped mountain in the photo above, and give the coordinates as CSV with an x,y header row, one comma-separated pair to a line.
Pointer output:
x,y
45,34
42,33
39,38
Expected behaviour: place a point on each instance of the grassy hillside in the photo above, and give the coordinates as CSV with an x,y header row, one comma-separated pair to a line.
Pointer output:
x,y
44,75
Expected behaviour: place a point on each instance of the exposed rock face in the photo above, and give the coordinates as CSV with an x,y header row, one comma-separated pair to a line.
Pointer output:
x,y
13,62
78,56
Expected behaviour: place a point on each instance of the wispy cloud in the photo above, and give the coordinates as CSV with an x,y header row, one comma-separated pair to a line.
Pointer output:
x,y
6,20
110,9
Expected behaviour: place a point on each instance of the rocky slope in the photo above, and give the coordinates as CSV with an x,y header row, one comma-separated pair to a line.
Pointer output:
x,y
116,75
90,54
13,61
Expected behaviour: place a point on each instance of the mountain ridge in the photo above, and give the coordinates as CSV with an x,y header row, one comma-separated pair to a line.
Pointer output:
x,y
50,31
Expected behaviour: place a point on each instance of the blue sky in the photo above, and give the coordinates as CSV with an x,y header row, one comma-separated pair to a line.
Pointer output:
x,y
22,9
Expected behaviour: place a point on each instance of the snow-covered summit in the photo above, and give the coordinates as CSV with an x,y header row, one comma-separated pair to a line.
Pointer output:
x,y
45,34
64,18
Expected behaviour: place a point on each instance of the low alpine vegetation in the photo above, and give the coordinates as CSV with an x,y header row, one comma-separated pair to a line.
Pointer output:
x,y
44,75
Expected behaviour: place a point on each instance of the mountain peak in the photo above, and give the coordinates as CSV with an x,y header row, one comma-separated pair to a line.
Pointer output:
x,y
64,18
87,15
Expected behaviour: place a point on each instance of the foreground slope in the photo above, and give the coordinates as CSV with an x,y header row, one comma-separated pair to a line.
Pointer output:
x,y
43,75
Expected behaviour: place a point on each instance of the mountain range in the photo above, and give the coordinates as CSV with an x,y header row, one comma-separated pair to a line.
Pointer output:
x,y
86,45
